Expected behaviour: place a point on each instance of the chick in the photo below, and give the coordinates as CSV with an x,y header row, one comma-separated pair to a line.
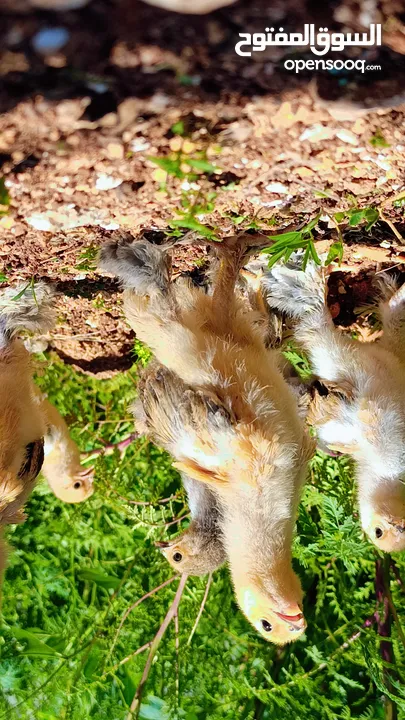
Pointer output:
x,y
228,417
22,426
362,411
199,549
25,417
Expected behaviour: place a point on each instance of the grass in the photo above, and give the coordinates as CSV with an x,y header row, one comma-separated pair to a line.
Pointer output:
x,y
72,648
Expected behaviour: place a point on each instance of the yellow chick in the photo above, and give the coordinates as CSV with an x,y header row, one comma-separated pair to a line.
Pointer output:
x,y
25,419
362,411
22,425
199,549
228,417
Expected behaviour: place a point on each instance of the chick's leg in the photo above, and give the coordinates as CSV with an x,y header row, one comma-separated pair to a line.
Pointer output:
x,y
62,469
150,303
392,311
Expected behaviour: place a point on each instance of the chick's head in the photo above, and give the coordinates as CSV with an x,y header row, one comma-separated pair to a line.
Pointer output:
x,y
383,517
71,488
194,552
273,607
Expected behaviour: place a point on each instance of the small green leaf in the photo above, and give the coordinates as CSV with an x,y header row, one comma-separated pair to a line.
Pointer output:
x,y
312,223
154,709
190,223
92,662
169,165
371,215
356,217
275,258
314,254
335,252
105,581
130,681
35,646
178,128
340,216
3,278
306,257
21,293
203,165
283,240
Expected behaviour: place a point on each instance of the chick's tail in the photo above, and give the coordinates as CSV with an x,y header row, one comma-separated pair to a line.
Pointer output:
x,y
26,308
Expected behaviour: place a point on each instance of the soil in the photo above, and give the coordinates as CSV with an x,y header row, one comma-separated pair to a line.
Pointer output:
x,y
77,129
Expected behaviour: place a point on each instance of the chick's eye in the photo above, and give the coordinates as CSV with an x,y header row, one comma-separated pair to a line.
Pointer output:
x,y
177,557
266,626
77,485
378,533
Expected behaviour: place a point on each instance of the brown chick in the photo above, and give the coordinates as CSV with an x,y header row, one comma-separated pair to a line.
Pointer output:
x,y
363,409
199,549
230,421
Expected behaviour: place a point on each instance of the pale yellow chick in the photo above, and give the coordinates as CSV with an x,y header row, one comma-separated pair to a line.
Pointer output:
x,y
229,419
363,411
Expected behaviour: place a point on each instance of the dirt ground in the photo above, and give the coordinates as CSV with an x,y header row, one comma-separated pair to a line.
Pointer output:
x,y
78,125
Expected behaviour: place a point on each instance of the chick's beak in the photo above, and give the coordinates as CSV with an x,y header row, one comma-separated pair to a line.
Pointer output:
x,y
296,621
161,544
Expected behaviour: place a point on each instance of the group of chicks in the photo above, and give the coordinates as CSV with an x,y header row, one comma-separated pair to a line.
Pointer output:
x,y
222,400
232,413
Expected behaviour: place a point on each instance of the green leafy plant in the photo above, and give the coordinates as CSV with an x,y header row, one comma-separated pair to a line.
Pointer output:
x,y
358,216
378,140
87,261
87,594
286,243
191,212
303,239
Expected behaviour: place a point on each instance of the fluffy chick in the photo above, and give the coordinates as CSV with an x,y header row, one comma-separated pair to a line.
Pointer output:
x,y
24,417
200,548
362,411
231,420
